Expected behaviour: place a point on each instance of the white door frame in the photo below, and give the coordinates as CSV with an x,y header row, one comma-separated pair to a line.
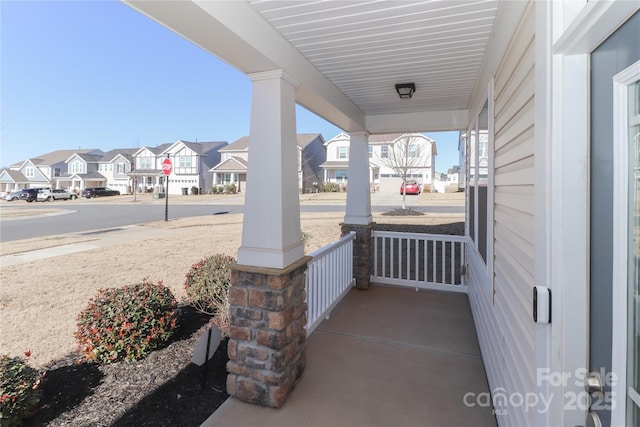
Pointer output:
x,y
620,239
578,29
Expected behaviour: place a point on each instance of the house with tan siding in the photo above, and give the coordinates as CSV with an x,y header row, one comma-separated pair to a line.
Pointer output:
x,y
234,163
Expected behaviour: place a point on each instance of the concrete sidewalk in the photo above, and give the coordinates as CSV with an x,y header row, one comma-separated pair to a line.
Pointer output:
x,y
387,357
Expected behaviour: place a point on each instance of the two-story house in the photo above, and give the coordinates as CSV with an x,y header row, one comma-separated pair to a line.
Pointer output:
x,y
40,171
116,166
147,175
390,157
82,172
191,164
232,168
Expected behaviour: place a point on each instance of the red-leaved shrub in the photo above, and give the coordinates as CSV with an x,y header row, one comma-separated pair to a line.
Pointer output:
x,y
19,390
126,323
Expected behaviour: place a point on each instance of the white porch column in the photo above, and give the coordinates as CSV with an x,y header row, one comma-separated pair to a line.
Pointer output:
x,y
358,192
271,228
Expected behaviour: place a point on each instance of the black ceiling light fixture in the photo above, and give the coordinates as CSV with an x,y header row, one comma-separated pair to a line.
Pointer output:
x,y
405,90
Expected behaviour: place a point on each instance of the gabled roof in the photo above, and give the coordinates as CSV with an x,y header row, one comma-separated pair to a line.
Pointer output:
x,y
339,137
155,150
57,156
305,139
16,176
127,153
201,148
242,144
232,164
90,158
205,146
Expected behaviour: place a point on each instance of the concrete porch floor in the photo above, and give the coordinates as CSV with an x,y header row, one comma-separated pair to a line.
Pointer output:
x,y
387,357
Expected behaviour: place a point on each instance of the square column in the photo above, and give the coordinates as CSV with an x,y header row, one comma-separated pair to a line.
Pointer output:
x,y
358,216
267,334
358,190
271,234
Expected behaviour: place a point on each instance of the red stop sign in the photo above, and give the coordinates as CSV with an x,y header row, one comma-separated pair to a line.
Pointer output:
x,y
167,166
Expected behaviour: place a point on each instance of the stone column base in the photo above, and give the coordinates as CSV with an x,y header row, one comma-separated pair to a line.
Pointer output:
x,y
362,252
267,336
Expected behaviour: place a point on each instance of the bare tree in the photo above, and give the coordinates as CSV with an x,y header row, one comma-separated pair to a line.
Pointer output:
x,y
408,155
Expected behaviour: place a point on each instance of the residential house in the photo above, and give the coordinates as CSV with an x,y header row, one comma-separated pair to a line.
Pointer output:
x,y
39,171
116,166
390,156
191,164
232,168
82,172
147,174
554,84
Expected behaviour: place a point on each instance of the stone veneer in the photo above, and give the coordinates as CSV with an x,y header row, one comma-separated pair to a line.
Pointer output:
x,y
362,252
267,336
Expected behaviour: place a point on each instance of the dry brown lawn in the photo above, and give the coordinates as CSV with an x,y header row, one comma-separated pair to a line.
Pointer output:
x,y
39,301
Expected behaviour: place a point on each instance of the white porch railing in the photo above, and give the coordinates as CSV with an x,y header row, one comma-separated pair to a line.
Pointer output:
x,y
329,278
427,261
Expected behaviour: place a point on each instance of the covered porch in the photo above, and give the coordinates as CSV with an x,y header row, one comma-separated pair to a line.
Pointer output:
x,y
388,356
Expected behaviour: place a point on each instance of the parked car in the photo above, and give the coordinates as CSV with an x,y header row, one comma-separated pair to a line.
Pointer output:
x,y
51,195
99,192
12,196
30,194
411,186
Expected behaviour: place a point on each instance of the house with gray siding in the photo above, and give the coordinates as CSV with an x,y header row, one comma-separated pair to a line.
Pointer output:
x,y
42,170
311,153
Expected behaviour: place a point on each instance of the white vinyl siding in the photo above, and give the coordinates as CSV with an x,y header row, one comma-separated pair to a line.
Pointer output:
x,y
505,328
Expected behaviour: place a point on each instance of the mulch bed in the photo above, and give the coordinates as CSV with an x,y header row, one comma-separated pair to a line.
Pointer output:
x,y
163,389
403,212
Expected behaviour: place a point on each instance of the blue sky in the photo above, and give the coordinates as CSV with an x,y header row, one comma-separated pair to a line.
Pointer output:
x,y
97,74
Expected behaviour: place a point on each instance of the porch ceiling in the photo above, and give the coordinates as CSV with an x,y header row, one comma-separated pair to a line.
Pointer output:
x,y
348,55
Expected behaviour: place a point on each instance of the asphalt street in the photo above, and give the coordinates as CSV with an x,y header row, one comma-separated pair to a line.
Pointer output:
x,y
82,216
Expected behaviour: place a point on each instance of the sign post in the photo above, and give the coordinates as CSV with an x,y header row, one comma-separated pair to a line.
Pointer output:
x,y
167,167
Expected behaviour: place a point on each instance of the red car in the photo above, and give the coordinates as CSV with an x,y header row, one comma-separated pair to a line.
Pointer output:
x,y
411,187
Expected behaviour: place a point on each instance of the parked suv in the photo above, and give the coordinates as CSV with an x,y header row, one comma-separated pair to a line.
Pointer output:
x,y
99,192
51,195
30,194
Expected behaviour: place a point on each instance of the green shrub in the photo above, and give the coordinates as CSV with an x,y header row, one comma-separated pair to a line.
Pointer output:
x,y
230,188
330,187
126,323
194,190
19,390
207,283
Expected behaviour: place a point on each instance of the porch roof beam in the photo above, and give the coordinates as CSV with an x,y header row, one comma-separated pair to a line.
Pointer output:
x,y
427,121
235,33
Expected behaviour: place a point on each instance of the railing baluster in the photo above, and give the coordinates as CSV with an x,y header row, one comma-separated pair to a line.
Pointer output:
x,y
398,260
453,263
329,276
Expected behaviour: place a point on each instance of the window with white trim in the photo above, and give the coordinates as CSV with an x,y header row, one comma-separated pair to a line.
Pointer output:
x,y
29,172
384,152
186,165
145,162
76,166
342,152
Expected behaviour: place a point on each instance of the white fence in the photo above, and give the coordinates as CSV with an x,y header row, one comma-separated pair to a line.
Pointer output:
x,y
427,261
329,278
